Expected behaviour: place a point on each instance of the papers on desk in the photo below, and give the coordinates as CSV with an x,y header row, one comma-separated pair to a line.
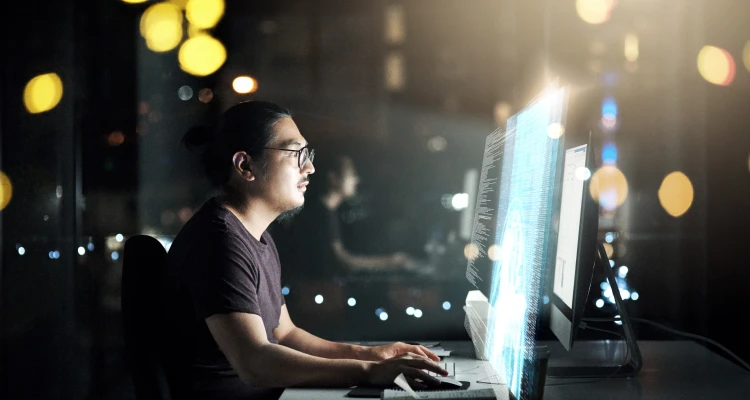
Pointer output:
x,y
476,394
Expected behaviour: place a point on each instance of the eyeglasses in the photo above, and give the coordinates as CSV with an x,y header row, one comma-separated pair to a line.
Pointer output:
x,y
304,155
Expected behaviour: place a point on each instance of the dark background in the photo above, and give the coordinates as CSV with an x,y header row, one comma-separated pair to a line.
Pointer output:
x,y
325,60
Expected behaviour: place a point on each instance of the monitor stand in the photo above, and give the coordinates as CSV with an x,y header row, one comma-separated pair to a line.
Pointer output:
x,y
633,362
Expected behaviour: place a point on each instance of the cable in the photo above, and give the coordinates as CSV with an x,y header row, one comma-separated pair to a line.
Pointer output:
x,y
678,333
583,325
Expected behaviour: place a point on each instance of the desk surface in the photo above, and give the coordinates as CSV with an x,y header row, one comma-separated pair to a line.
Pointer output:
x,y
671,370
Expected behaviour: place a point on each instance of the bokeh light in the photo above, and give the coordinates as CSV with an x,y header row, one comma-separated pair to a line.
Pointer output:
x,y
583,173
134,1
115,138
185,93
609,154
676,194
205,95
436,144
395,76
746,55
631,47
471,251
493,252
42,93
716,65
609,249
6,190
202,55
204,14
609,187
179,3
161,26
244,85
555,130
595,11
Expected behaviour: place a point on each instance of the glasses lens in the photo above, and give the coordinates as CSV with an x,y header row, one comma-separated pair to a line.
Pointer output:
x,y
303,155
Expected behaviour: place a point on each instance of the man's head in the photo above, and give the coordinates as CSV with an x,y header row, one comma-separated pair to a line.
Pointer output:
x,y
255,153
339,176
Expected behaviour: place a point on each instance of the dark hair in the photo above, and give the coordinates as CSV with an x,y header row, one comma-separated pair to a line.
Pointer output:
x,y
247,126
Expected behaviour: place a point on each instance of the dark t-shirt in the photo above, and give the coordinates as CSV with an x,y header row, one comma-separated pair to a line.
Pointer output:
x,y
314,231
214,267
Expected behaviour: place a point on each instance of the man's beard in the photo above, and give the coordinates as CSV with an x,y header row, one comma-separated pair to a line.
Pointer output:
x,y
289,214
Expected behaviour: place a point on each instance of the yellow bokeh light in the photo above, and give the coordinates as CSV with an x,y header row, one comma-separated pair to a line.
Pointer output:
x,y
202,55
631,48
716,65
555,130
609,187
595,11
746,55
244,85
43,93
471,251
204,14
134,1
182,4
194,31
161,26
6,190
676,194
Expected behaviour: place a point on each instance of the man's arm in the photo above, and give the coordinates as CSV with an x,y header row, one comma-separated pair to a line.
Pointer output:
x,y
242,339
291,336
372,263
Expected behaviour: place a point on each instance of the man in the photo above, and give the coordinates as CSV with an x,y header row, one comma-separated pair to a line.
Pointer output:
x,y
228,334
316,232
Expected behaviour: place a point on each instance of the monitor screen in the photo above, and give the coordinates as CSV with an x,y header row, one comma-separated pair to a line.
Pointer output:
x,y
516,194
574,176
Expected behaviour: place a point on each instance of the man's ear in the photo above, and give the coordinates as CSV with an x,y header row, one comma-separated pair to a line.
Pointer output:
x,y
242,164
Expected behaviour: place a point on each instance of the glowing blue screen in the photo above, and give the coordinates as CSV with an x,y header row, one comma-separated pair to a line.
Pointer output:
x,y
526,191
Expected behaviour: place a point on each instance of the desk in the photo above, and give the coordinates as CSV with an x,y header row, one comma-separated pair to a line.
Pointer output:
x,y
671,370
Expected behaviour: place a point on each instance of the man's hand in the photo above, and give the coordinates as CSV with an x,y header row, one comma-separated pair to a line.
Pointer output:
x,y
379,353
383,373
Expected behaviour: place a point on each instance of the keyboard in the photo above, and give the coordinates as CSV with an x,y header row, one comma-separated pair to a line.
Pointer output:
x,y
448,366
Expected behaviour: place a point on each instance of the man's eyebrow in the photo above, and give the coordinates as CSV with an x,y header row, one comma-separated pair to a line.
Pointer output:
x,y
290,142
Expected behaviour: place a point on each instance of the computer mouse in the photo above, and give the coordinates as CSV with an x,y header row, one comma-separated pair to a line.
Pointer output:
x,y
444,381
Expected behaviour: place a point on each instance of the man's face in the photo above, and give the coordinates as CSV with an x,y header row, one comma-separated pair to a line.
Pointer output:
x,y
283,183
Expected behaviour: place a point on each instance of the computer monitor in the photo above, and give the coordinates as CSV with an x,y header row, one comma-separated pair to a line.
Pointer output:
x,y
577,253
514,209
576,244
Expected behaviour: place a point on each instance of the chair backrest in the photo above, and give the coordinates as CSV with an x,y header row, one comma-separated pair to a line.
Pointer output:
x,y
143,268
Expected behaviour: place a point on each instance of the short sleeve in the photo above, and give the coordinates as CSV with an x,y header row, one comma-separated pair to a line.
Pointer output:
x,y
221,278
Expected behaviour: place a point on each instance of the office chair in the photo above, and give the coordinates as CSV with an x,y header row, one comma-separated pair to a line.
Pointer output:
x,y
143,267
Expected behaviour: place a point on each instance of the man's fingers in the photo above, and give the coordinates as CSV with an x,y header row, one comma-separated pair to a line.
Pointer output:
x,y
425,363
429,354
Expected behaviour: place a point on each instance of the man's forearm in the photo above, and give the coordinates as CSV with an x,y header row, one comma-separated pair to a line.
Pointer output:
x,y
303,341
280,366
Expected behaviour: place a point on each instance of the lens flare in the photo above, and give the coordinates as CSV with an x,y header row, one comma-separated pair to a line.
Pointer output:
x,y
716,65
42,93
676,194
202,55
609,187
